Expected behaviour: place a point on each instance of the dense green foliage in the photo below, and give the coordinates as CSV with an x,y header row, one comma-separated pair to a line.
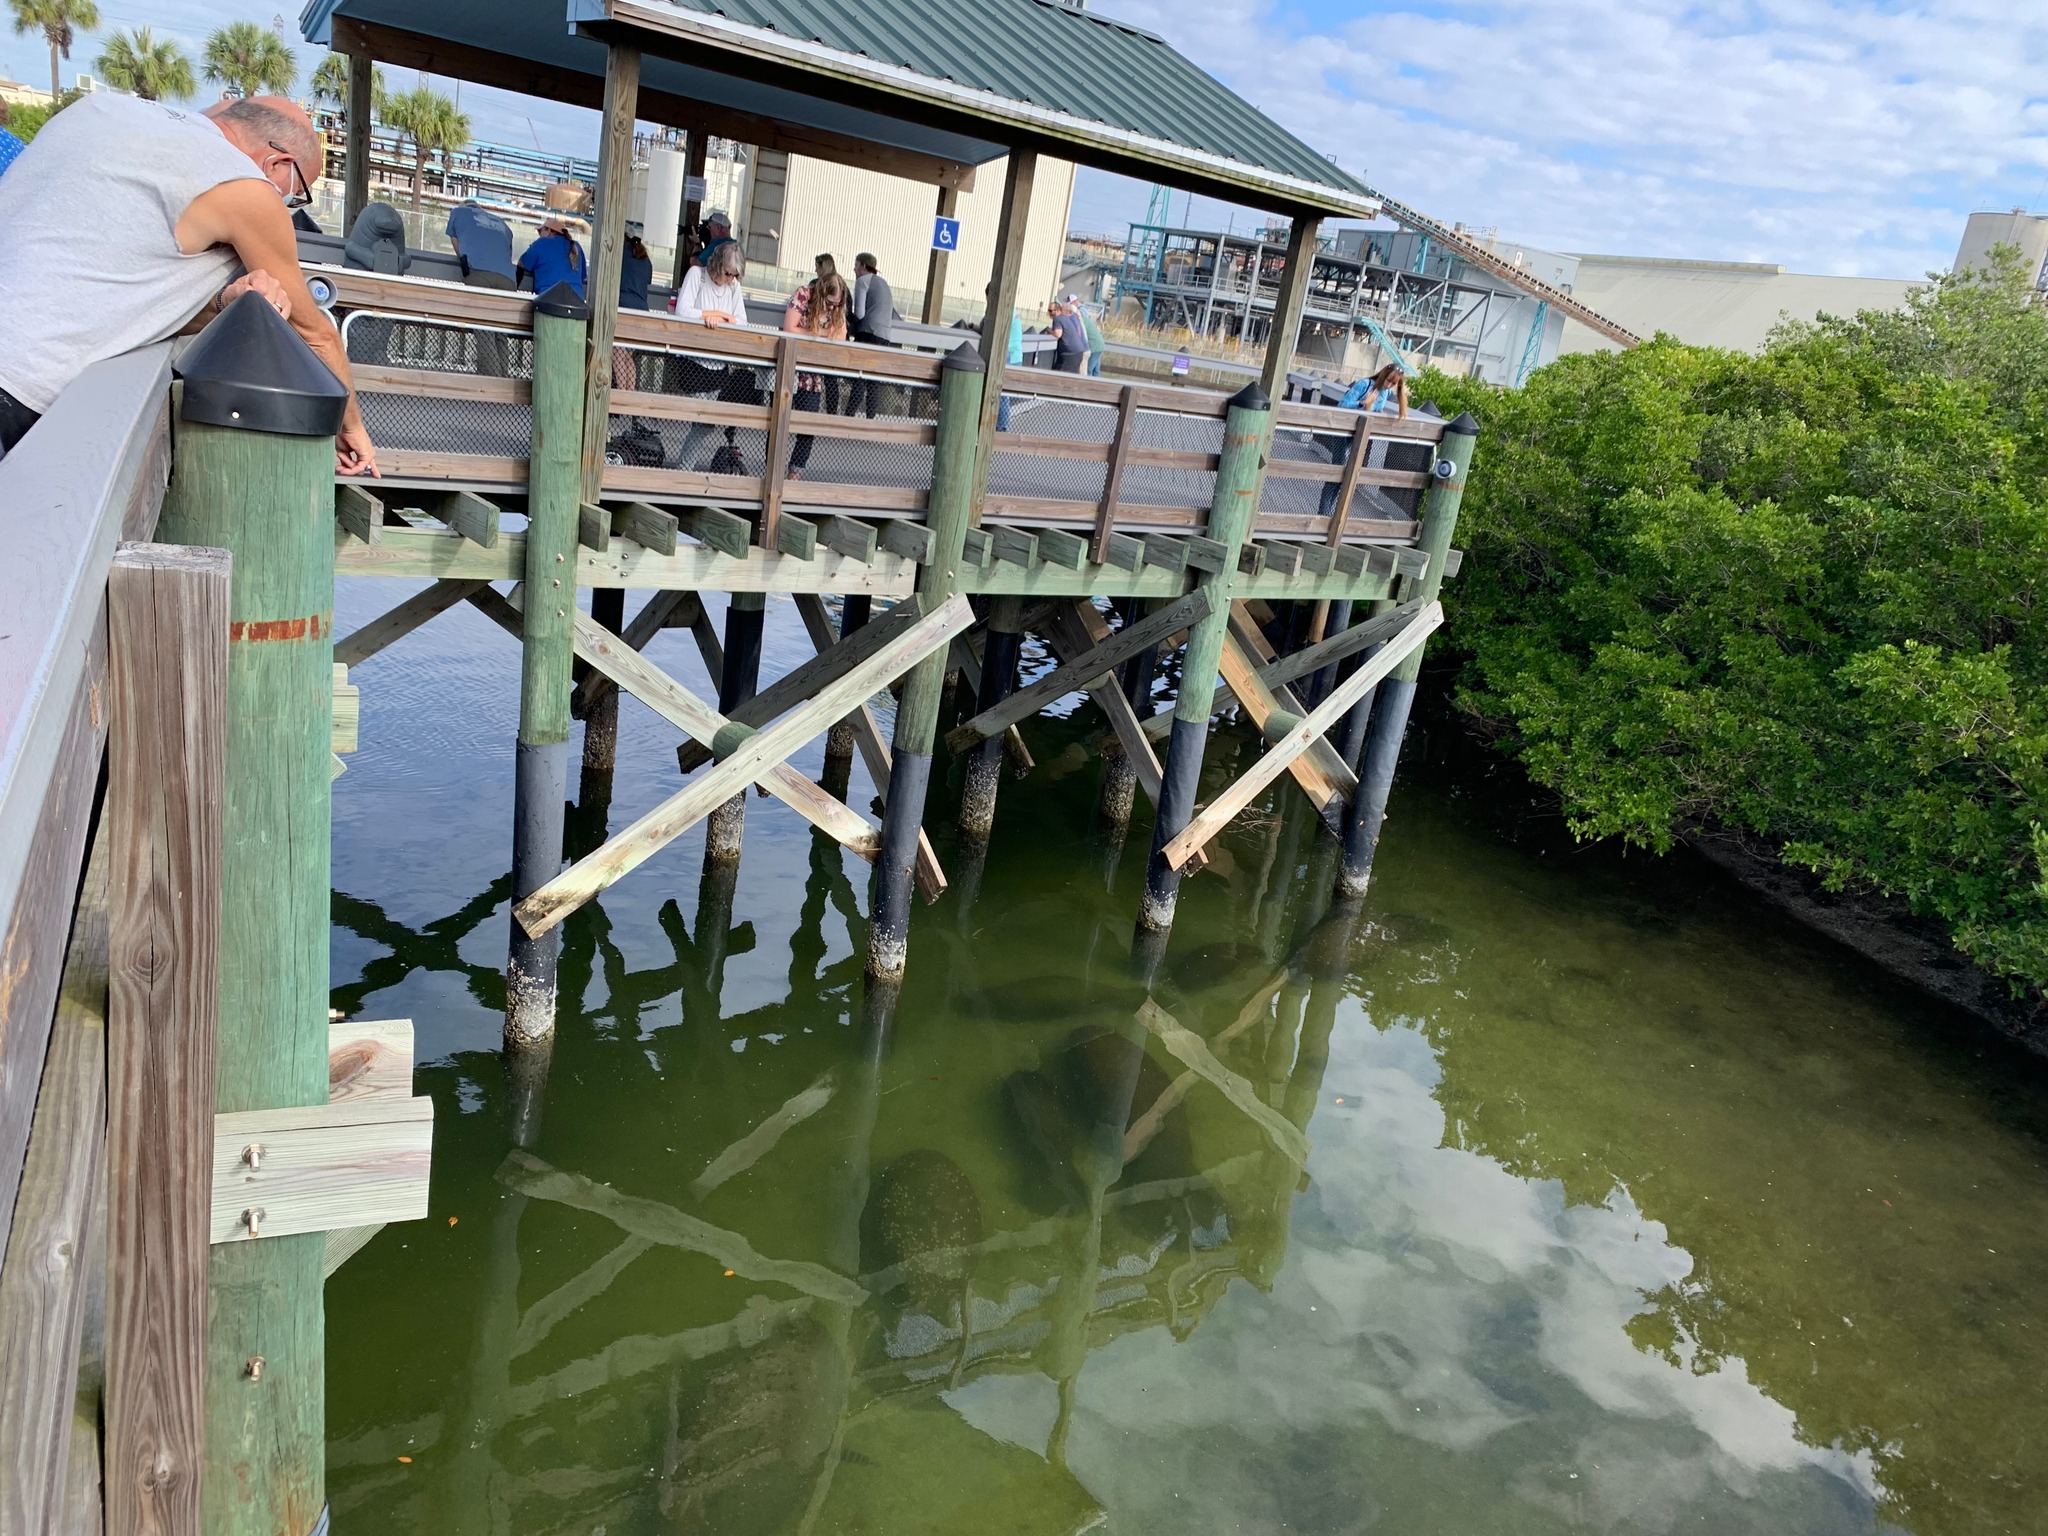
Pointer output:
x,y
140,63
1798,594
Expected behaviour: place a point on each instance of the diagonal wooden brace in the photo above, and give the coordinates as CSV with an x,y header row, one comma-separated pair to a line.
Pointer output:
x,y
1279,673
1076,628
1321,771
1082,669
1219,813
395,624
874,751
683,709
752,756
640,629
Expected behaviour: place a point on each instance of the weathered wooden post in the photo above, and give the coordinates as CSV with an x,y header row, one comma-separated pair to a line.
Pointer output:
x,y
917,715
746,617
998,680
254,475
854,609
1247,430
1393,697
541,769
1119,773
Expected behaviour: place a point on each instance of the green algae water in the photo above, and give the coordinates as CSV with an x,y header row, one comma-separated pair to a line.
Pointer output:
x,y
1552,1193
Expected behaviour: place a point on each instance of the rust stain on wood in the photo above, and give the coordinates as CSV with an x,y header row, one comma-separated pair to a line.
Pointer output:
x,y
312,627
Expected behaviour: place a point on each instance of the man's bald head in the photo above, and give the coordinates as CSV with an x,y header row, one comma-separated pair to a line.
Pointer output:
x,y
261,122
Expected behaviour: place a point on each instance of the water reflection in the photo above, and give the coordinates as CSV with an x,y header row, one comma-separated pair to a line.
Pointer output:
x,y
1505,1203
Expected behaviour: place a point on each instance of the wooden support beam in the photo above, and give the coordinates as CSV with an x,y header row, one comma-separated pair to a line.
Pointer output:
x,y
607,653
396,623
1354,461
1251,558
1015,546
359,512
1077,627
1224,808
978,549
1317,560
652,528
1288,305
1058,547
319,1167
756,754
168,613
355,171
874,751
1169,554
855,540
775,471
1284,558
1082,670
716,528
348,712
1350,559
1120,444
593,528
608,250
935,269
1279,673
913,541
52,1259
1207,554
796,536
1123,552
1004,283
827,667
469,515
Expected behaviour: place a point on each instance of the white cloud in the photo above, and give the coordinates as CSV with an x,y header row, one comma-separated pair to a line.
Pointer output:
x,y
1831,135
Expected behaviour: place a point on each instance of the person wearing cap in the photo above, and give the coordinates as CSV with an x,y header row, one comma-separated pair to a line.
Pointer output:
x,y
1070,336
717,232
555,257
483,243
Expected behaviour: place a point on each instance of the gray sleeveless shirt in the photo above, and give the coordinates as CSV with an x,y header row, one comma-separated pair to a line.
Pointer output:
x,y
89,258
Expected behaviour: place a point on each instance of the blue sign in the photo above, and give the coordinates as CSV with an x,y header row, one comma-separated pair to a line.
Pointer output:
x,y
945,234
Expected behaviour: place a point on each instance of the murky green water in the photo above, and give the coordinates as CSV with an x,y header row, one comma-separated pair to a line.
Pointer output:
x,y
1624,1209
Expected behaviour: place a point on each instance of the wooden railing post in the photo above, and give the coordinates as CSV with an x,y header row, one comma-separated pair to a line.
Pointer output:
x,y
1247,431
1396,693
253,474
168,617
917,715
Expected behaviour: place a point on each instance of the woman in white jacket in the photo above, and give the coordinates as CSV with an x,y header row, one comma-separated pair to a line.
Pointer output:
x,y
712,295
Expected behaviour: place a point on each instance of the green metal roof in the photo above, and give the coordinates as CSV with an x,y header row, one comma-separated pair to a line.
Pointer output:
x,y
1085,78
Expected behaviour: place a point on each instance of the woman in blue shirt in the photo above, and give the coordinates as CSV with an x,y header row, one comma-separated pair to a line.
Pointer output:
x,y
555,257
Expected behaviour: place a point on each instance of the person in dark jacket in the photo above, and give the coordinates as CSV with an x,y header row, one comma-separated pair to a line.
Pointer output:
x,y
636,271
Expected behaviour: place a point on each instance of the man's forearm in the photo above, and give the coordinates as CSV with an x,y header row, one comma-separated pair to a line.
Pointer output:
x,y
325,341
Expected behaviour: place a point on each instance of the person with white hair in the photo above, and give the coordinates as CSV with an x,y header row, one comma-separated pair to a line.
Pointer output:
x,y
127,219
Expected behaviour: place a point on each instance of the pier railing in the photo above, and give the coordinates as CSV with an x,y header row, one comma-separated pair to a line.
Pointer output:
x,y
750,420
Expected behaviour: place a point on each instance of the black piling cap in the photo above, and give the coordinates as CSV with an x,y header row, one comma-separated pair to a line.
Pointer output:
x,y
250,369
964,358
563,302
1251,398
1467,425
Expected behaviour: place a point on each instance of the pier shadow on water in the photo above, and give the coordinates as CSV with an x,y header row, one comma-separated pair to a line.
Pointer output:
x,y
1544,1193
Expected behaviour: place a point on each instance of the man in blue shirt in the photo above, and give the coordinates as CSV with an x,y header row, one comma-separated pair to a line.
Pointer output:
x,y
10,146
484,242
555,257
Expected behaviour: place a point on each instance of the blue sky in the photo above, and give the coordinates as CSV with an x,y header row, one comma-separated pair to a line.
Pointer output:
x,y
1829,135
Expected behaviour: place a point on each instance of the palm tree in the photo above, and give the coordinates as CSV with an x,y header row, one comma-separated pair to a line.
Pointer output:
x,y
138,62
249,60
60,22
430,120
330,84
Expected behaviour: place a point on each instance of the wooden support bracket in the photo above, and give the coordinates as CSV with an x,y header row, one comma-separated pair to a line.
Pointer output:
x,y
796,536
852,539
593,528
1058,547
1123,551
396,623
1166,552
469,515
913,541
1015,546
348,712
1207,554
359,512
977,548
1316,559
650,621
1279,673
650,527
716,528
351,1163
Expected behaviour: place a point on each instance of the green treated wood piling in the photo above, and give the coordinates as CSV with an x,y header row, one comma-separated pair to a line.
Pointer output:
x,y
746,618
253,473
541,777
917,716
998,677
1247,431
1394,696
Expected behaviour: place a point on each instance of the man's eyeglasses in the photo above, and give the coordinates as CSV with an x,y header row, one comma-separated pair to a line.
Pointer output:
x,y
304,195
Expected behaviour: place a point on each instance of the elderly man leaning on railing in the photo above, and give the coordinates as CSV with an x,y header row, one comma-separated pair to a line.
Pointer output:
x,y
126,219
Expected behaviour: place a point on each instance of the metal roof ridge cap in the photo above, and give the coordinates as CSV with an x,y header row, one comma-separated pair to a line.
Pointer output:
x,y
659,15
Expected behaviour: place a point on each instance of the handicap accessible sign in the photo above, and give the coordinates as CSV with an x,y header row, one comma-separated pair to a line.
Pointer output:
x,y
945,234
